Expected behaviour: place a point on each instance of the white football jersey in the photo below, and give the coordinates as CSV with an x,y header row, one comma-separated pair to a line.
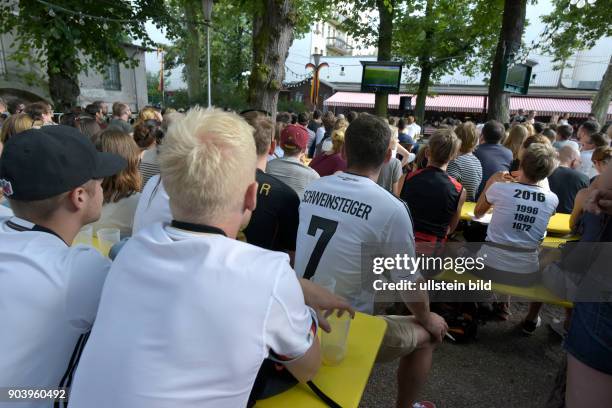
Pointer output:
x,y
186,320
153,205
49,294
337,214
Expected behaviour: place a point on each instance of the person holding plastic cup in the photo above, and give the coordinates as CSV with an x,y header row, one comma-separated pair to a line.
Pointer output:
x,y
49,290
107,237
333,342
349,209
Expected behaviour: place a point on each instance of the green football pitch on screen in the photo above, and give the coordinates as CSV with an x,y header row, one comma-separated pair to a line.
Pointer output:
x,y
380,76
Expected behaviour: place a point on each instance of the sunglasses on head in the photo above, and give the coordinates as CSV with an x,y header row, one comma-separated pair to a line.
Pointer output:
x,y
152,123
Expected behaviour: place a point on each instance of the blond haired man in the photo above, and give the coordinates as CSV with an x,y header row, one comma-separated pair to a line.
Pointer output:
x,y
189,313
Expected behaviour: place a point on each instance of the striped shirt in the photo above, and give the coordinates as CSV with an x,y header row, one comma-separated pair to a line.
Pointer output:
x,y
467,170
149,165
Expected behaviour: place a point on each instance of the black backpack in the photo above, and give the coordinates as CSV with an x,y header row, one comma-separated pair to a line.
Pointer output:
x,y
273,378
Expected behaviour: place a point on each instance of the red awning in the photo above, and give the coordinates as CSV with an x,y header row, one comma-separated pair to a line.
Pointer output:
x,y
553,106
469,103
451,103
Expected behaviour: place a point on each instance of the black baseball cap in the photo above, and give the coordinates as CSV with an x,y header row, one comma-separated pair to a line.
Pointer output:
x,y
42,163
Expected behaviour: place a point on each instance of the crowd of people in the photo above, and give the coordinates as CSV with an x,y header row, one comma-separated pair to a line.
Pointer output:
x,y
223,213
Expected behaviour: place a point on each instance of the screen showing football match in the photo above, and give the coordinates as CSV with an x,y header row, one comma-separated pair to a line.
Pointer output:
x,y
385,77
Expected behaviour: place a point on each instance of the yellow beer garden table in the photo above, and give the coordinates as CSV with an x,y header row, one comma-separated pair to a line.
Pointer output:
x,y
345,382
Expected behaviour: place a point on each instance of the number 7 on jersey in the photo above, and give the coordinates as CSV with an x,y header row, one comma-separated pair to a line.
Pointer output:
x,y
328,228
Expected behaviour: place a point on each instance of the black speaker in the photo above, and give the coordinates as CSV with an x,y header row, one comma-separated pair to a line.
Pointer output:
x,y
405,103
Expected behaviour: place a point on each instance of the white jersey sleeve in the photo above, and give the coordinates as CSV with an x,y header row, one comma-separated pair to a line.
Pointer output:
x,y
153,205
88,273
290,325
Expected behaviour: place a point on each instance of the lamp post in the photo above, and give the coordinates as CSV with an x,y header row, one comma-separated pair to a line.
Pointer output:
x,y
316,67
207,7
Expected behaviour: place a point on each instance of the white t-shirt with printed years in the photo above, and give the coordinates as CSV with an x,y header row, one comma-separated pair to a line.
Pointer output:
x,y
186,320
521,213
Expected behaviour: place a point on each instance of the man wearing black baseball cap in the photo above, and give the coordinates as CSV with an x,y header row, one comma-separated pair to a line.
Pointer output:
x,y
50,291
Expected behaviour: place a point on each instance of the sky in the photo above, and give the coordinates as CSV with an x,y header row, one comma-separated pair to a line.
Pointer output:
x,y
532,32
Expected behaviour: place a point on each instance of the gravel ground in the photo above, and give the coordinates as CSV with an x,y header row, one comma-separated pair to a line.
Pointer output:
x,y
503,368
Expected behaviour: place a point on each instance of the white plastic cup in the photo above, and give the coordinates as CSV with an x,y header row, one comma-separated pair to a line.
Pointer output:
x,y
85,236
107,237
333,344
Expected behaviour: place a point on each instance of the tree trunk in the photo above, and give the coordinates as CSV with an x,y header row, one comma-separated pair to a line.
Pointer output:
x,y
273,24
419,108
601,101
426,69
63,81
385,37
513,24
193,73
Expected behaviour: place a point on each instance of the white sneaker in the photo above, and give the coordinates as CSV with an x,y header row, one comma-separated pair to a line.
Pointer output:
x,y
529,327
424,404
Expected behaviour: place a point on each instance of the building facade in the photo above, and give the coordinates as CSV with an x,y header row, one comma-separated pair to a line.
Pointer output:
x,y
28,82
552,90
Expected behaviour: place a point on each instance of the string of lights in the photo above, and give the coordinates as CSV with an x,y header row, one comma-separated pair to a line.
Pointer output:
x,y
298,75
54,8
292,85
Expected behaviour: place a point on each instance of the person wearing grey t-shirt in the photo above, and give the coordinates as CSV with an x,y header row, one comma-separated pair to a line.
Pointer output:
x,y
289,168
121,116
389,176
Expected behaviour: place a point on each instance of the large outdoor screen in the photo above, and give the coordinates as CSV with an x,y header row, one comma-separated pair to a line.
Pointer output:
x,y
381,76
517,79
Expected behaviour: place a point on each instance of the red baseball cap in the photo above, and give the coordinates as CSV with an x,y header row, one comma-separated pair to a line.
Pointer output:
x,y
294,136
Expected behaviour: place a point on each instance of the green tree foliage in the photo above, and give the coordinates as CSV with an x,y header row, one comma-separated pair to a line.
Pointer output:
x,y
230,51
432,38
439,37
153,92
569,29
372,21
246,64
65,38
